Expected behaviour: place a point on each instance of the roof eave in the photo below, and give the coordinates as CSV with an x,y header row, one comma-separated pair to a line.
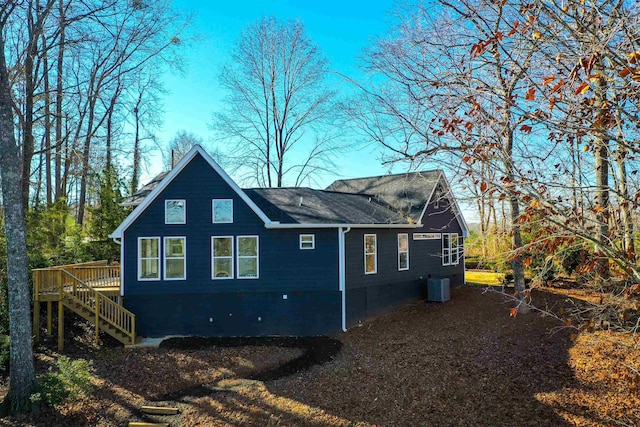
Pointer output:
x,y
274,225
168,178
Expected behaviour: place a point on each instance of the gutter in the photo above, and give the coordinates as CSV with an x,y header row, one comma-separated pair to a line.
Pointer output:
x,y
277,225
342,231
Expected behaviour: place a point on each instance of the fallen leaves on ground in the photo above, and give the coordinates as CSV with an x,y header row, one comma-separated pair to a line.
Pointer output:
x,y
464,362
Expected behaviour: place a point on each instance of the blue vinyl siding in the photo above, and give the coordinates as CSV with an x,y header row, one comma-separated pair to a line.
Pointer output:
x,y
369,294
284,268
309,279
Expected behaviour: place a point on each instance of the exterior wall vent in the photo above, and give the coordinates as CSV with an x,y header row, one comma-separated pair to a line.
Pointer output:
x,y
438,290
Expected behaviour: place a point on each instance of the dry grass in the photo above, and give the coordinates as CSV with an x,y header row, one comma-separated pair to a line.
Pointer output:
x,y
464,362
490,278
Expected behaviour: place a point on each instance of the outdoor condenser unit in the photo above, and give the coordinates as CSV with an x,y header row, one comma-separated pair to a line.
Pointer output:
x,y
438,290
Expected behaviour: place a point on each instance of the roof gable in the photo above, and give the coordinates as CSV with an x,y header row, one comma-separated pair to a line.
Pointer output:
x,y
161,182
408,193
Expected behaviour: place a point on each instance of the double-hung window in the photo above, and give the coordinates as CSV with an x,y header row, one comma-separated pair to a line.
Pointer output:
x,y
370,254
222,257
307,241
175,258
446,249
451,248
403,252
454,248
247,257
149,258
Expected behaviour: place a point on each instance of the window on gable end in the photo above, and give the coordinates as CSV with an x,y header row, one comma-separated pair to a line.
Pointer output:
x,y
222,211
454,249
446,249
175,211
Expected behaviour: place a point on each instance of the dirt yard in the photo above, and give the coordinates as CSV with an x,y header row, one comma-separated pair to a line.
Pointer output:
x,y
464,362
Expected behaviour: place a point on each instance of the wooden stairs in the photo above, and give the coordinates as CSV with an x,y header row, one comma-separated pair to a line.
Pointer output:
x,y
103,325
91,290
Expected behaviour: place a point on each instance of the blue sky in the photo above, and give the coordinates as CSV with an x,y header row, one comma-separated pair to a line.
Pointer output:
x,y
342,29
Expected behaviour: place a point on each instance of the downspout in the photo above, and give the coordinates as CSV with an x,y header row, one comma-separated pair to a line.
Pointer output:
x,y
342,273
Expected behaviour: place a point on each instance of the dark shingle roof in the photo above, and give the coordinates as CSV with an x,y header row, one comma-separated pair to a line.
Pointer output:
x,y
308,206
387,199
406,192
142,193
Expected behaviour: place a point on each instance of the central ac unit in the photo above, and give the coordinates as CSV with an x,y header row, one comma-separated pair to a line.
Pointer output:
x,y
438,290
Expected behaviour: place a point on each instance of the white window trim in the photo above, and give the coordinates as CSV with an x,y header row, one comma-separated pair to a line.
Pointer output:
x,y
375,254
148,279
164,258
446,260
451,240
401,252
213,211
257,257
185,211
313,241
232,272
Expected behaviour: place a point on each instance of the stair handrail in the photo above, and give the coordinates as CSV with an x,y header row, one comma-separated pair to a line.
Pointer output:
x,y
104,308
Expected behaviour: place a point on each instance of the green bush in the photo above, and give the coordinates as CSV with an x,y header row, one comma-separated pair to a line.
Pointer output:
x,y
4,353
71,381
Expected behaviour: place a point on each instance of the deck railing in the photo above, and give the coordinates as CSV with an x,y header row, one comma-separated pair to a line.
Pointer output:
x,y
82,283
98,276
51,281
104,308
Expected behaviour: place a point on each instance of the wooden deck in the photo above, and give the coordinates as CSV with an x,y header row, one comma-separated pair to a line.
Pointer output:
x,y
91,290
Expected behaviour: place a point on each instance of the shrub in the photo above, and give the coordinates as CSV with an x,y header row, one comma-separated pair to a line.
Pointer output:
x,y
71,381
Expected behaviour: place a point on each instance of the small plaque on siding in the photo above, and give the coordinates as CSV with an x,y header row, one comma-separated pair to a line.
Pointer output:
x,y
427,236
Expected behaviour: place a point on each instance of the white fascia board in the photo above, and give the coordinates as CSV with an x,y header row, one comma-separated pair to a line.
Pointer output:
x,y
197,149
298,225
456,208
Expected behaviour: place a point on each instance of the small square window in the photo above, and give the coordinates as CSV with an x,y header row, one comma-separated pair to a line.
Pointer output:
x,y
307,241
222,211
175,212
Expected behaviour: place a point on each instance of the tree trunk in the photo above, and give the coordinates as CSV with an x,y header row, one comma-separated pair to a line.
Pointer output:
x,y
47,127
60,189
514,207
29,89
84,173
601,164
135,176
22,379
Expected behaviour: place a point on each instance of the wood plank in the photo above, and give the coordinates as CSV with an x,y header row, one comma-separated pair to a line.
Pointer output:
x,y
36,321
159,410
60,326
143,424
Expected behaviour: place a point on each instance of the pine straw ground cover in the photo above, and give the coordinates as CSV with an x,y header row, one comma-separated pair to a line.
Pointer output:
x,y
465,362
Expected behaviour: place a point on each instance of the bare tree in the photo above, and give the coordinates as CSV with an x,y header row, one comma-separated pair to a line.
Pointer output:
x,y
22,380
278,106
180,145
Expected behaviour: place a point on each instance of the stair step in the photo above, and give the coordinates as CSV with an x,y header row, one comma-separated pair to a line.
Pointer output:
x,y
159,410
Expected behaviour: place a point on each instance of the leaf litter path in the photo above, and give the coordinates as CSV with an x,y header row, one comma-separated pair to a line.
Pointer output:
x,y
315,351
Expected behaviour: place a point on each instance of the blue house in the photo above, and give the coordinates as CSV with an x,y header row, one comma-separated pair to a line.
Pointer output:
x,y
201,256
